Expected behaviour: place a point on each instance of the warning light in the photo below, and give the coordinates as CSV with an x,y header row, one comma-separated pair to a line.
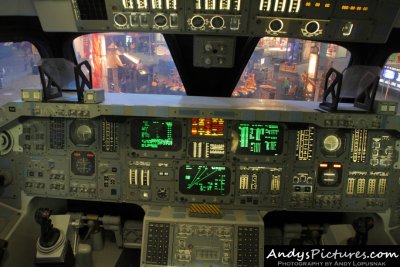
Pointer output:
x,y
308,4
327,5
344,7
353,8
318,4
365,8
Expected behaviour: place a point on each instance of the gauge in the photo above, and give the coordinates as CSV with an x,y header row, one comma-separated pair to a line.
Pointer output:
x,y
82,132
332,143
83,163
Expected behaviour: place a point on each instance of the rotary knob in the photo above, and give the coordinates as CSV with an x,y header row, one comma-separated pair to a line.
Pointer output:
x,y
120,19
312,27
276,25
160,20
217,22
197,22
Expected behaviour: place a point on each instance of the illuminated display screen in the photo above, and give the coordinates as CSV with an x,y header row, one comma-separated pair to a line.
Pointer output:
x,y
258,139
151,134
390,76
208,127
204,180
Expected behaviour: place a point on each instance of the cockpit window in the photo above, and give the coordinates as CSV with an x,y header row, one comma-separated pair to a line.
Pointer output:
x,y
389,83
18,69
291,69
130,63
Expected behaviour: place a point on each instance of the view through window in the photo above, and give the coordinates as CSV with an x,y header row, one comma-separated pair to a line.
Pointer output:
x,y
292,69
18,69
130,63
389,83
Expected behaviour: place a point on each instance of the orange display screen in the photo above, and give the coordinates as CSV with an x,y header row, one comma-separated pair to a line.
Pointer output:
x,y
208,127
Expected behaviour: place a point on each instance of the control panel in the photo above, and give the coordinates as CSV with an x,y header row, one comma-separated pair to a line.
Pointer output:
x,y
345,20
172,238
227,156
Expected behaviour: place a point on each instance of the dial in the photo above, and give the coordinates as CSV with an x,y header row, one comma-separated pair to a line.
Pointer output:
x,y
82,132
332,143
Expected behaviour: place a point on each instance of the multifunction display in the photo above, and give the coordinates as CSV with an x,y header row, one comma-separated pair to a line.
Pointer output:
x,y
257,139
204,180
150,134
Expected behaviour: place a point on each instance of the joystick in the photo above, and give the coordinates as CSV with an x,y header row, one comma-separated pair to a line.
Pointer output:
x,y
52,246
362,226
48,234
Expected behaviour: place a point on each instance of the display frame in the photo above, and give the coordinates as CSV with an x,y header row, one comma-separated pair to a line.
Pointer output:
x,y
198,198
271,157
146,153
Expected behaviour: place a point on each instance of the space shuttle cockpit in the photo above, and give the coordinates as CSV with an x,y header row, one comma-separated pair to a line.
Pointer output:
x,y
196,133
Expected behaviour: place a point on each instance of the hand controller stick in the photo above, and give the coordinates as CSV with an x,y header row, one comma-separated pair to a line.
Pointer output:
x,y
49,235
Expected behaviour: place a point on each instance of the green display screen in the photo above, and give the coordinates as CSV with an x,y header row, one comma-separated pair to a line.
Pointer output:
x,y
259,138
204,180
150,134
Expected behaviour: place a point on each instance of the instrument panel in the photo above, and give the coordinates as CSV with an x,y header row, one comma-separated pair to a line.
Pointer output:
x,y
344,20
256,164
